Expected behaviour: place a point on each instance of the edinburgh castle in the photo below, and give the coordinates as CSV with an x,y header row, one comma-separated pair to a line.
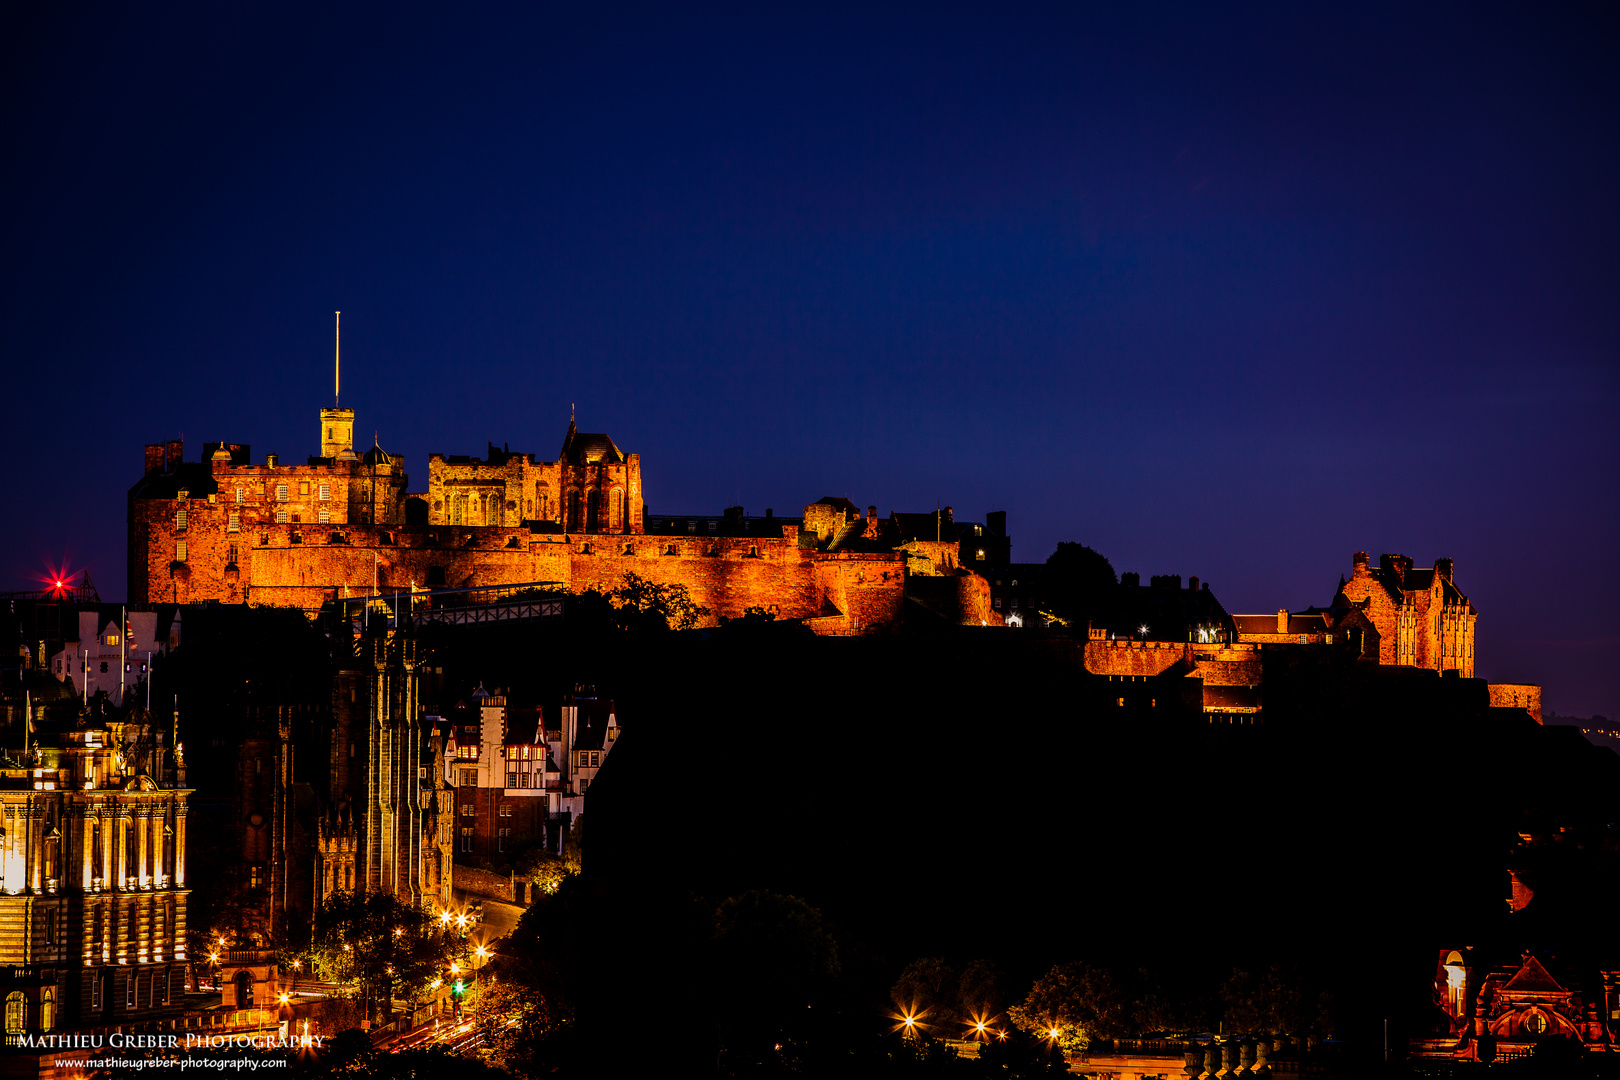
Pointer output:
x,y
232,530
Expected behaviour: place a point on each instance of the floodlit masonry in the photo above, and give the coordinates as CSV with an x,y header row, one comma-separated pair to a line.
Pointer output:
x,y
232,530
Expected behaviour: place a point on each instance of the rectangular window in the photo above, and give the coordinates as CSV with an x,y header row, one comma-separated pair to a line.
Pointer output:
x,y
180,552
326,492
466,840
232,553
511,782
323,517
468,810
281,493
180,520
469,777
501,838
281,517
303,487
233,522
238,494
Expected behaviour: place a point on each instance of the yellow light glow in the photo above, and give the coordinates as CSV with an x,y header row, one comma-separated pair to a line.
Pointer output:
x,y
285,997
1454,977
1054,1033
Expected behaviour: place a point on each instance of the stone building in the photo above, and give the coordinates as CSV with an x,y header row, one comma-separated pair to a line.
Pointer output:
x,y
1422,618
346,524
92,876
1497,1007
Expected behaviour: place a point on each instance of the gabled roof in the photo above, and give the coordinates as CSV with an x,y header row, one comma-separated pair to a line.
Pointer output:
x,y
837,503
1533,979
588,448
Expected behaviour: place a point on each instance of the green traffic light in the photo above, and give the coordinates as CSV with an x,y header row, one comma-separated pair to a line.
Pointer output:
x,y
455,991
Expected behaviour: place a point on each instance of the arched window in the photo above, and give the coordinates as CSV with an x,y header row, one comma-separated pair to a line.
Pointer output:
x,y
593,514
47,1010
16,1012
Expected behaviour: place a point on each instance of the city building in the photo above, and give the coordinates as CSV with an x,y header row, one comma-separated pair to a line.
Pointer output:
x,y
93,888
1498,1007
114,649
520,783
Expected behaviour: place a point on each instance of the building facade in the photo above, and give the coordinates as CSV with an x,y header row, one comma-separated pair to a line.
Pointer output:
x,y
93,858
1422,618
519,782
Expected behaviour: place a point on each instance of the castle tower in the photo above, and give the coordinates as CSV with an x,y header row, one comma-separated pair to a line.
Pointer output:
x,y
337,431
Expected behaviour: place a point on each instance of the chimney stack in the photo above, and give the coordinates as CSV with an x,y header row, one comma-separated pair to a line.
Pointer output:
x,y
176,451
154,458
1443,568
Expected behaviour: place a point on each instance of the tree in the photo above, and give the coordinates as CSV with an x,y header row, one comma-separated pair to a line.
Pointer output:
x,y
1273,1002
1077,1002
772,961
380,948
948,999
671,603
927,990
1081,585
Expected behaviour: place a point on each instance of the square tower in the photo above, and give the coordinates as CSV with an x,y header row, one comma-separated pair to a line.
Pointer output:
x,y
337,431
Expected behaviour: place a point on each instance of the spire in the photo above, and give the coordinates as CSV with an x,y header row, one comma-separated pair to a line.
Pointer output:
x,y
337,361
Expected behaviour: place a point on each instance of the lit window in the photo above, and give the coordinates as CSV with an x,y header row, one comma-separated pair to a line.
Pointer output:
x,y
112,639
281,493
233,522
303,487
281,517
238,494
16,1010
323,517
326,492
180,552
979,554
180,519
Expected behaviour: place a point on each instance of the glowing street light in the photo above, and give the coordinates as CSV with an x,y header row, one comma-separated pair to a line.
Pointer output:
x,y
284,997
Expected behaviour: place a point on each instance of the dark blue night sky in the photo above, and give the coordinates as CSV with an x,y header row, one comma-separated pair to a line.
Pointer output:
x,y
1231,292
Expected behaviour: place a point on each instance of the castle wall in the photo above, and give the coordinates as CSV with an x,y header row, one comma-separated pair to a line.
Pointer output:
x,y
1215,664
1526,696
